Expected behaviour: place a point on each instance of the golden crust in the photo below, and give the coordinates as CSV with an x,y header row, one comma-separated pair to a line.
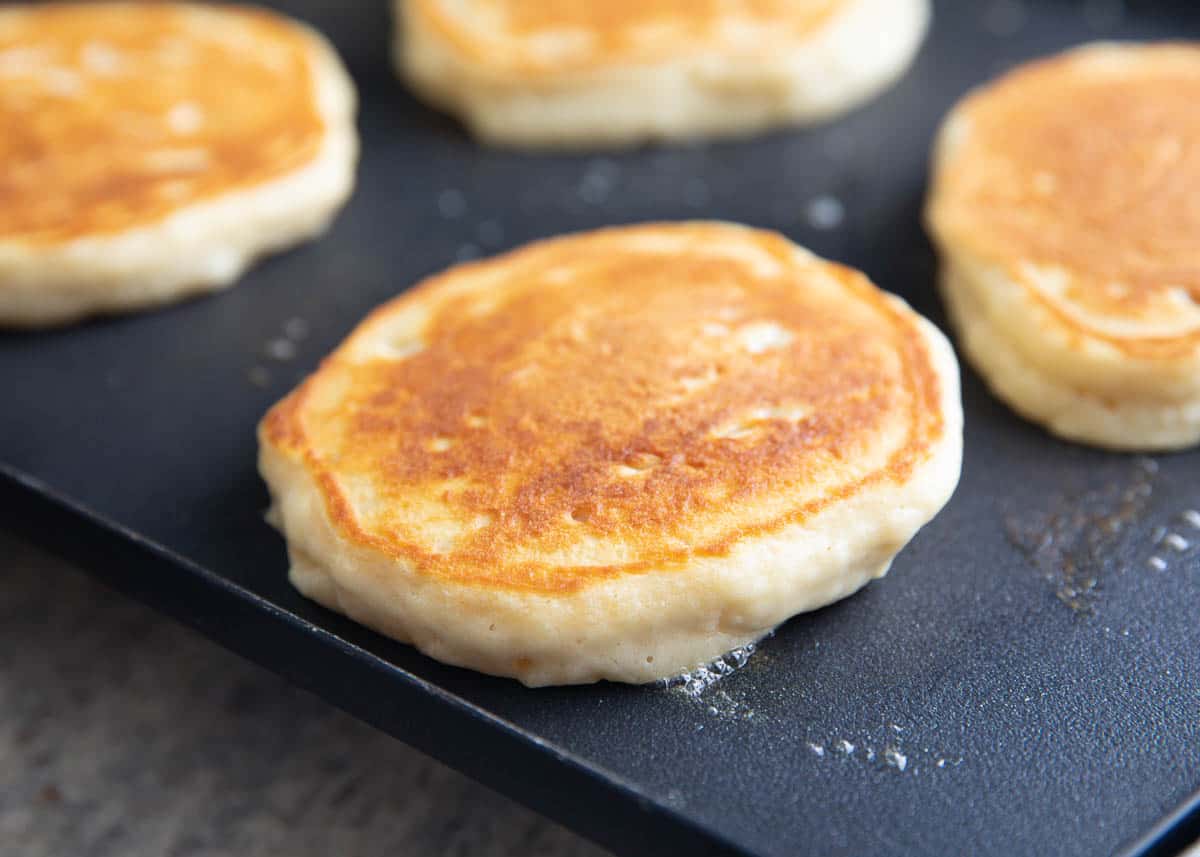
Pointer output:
x,y
610,403
117,114
1079,177
539,38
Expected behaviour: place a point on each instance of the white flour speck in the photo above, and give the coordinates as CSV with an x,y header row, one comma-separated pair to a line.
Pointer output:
x,y
846,747
697,681
825,212
816,748
1158,563
895,758
451,203
295,328
1176,542
1193,518
281,349
598,180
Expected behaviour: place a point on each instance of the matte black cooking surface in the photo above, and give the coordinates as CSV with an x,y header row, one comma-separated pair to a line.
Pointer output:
x,y
1025,710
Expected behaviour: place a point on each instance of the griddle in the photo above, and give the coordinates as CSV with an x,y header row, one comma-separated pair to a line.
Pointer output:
x,y
1026,680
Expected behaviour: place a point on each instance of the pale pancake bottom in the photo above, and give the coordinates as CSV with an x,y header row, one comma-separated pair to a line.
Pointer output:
x,y
1141,423
637,627
856,56
202,247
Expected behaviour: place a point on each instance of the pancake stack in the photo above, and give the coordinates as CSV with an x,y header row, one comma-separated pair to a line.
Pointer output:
x,y
1066,204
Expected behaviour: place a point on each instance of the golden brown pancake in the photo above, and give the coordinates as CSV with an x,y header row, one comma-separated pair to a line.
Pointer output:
x,y
1074,181
91,147
545,73
636,407
118,115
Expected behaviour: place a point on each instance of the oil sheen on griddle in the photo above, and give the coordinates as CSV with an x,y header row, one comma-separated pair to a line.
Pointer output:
x,y
1075,541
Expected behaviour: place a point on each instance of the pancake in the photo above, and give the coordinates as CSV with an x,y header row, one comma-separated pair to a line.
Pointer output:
x,y
152,151
614,455
549,73
1065,205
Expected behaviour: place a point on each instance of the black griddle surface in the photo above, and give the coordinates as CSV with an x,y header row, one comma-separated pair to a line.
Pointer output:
x,y
1035,712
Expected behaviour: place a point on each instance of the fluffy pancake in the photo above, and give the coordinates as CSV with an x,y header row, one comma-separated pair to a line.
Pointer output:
x,y
1066,204
614,455
550,73
154,150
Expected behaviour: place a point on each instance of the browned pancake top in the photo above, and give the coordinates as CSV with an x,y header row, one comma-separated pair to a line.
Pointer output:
x,y
610,402
554,36
112,115
1088,164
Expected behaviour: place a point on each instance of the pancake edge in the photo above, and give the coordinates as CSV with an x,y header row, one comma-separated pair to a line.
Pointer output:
x,y
1143,424
847,62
